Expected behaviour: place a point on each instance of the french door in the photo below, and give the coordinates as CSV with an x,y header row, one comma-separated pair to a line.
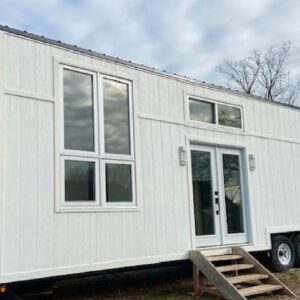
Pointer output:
x,y
218,196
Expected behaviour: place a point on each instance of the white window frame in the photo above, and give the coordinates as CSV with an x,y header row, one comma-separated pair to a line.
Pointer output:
x,y
230,105
79,153
77,203
103,194
105,155
216,123
215,115
98,155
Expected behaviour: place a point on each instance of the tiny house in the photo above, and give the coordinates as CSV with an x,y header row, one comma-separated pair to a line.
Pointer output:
x,y
105,164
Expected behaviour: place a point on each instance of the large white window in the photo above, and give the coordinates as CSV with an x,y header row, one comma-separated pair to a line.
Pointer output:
x,y
97,154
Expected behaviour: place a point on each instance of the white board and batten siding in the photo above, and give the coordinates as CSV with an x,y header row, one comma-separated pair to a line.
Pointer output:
x,y
38,241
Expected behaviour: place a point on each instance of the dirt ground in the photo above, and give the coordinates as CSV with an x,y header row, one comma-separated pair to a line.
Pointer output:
x,y
292,280
167,283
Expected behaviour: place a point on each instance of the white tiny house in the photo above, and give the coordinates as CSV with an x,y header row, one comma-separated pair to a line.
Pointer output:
x,y
107,164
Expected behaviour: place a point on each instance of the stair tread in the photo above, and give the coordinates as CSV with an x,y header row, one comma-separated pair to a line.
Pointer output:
x,y
247,278
224,257
259,289
236,267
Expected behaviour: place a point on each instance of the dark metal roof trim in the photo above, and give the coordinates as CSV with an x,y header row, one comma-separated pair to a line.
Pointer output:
x,y
131,64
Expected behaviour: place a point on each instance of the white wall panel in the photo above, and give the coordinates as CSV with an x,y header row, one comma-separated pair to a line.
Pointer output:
x,y
12,186
35,238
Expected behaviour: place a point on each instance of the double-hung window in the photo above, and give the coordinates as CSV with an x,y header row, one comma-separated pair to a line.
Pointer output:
x,y
97,155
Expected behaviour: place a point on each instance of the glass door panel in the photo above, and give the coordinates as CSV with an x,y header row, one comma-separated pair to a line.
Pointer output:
x,y
233,193
204,186
232,199
203,194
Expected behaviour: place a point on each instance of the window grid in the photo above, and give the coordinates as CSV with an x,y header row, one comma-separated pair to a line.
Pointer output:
x,y
98,156
216,113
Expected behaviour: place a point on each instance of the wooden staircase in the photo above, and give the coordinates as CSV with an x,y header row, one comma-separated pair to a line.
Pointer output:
x,y
233,273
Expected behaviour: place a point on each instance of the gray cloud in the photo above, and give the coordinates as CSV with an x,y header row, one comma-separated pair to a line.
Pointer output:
x,y
188,37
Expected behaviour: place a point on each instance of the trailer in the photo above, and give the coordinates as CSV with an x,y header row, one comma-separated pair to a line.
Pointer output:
x,y
105,164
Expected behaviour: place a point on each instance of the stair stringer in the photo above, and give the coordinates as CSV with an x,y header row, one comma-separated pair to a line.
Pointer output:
x,y
227,289
272,279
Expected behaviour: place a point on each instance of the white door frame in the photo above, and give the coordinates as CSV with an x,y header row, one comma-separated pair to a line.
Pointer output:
x,y
221,237
208,240
233,238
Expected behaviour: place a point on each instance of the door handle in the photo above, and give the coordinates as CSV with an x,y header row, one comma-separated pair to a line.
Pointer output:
x,y
217,197
217,202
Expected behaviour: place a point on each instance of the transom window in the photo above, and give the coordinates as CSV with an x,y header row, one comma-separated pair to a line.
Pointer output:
x,y
97,157
215,113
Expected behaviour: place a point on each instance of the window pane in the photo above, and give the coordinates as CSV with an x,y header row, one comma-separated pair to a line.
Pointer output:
x,y
233,193
202,111
229,116
116,117
79,180
202,192
118,183
78,111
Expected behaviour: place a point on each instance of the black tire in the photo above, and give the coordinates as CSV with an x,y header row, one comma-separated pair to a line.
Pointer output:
x,y
296,243
278,242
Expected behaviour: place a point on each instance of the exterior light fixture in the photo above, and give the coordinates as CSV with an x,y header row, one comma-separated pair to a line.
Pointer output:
x,y
252,165
182,156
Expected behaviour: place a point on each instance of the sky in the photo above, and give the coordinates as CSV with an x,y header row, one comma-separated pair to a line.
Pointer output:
x,y
188,37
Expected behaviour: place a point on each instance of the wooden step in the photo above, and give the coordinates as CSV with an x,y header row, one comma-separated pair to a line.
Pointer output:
x,y
224,257
237,267
219,251
259,289
247,278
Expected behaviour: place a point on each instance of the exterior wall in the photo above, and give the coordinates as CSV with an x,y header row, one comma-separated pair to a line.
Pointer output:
x,y
1,141
37,241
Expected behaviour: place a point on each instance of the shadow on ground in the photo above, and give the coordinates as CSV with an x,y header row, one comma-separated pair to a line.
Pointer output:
x,y
165,282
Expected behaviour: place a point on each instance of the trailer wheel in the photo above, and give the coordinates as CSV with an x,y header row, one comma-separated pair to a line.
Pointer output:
x,y
282,254
296,243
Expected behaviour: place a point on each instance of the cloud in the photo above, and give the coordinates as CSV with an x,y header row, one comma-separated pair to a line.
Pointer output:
x,y
188,37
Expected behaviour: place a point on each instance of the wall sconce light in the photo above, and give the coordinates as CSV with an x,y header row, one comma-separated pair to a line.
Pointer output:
x,y
182,156
252,165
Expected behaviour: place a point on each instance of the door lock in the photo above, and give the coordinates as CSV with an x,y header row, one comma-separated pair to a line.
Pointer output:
x,y
217,197
217,202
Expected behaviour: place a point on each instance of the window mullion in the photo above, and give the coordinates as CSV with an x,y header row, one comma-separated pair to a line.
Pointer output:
x,y
81,168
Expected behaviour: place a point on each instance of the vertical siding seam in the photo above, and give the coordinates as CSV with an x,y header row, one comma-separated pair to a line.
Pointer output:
x,y
143,252
53,116
35,68
19,64
188,222
2,141
152,166
173,185
122,236
20,182
37,185
163,198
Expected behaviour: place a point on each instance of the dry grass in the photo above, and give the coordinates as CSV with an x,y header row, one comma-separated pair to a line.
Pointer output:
x,y
171,284
290,279
178,290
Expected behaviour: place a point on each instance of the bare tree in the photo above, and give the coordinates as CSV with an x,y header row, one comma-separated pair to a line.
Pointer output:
x,y
243,73
264,74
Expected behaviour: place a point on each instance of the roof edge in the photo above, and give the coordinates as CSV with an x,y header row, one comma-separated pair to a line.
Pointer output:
x,y
131,64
